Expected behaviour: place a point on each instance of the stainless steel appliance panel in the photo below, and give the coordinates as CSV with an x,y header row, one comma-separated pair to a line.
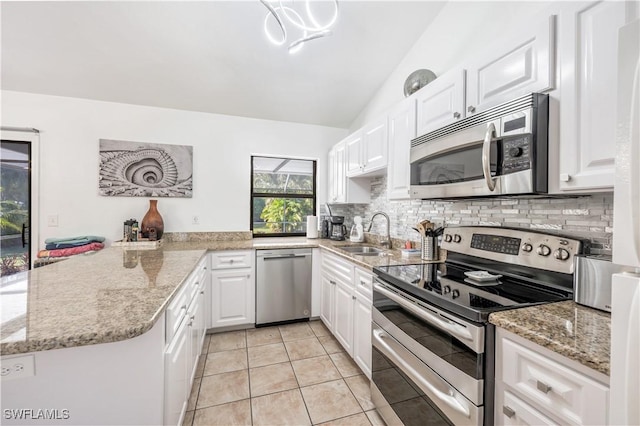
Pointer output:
x,y
592,280
283,285
414,392
496,152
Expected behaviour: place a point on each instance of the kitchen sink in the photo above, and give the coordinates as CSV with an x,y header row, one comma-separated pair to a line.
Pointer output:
x,y
363,250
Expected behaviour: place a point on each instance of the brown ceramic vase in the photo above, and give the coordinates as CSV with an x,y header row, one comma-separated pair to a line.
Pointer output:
x,y
152,220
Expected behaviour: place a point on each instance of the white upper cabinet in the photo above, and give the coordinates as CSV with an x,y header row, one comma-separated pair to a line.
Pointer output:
x,y
354,149
367,149
441,102
374,142
341,189
588,41
515,66
402,128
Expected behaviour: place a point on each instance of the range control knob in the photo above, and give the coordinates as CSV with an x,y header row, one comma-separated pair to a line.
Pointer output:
x,y
446,289
455,294
457,238
448,238
561,254
515,152
527,247
544,250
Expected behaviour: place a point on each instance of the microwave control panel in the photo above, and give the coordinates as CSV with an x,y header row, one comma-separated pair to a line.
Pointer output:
x,y
516,153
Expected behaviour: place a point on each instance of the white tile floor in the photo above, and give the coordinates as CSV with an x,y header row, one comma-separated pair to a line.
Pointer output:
x,y
296,374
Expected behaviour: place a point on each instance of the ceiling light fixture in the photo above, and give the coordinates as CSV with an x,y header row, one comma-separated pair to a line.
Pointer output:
x,y
279,15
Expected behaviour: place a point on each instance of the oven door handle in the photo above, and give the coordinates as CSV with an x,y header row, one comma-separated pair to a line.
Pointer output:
x,y
437,386
442,323
486,161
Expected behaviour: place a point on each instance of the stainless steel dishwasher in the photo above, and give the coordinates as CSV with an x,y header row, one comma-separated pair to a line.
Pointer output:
x,y
283,285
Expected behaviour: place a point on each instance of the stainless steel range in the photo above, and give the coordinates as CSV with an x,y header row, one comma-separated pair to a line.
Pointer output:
x,y
433,348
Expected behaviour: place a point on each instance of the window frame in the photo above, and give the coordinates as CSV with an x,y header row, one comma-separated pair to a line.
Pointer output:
x,y
253,195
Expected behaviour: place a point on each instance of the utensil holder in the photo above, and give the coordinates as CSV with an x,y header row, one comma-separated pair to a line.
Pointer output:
x,y
429,248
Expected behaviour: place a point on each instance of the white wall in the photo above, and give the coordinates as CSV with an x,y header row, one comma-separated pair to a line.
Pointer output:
x,y
459,31
70,130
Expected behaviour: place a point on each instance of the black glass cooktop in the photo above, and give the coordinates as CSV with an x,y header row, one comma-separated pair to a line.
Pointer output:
x,y
447,286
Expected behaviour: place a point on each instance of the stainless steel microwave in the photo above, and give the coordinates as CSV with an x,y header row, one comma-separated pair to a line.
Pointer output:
x,y
497,152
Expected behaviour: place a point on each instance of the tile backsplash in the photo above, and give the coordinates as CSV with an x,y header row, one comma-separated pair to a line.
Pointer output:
x,y
588,217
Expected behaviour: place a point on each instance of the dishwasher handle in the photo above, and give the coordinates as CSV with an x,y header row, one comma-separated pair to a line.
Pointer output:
x,y
286,256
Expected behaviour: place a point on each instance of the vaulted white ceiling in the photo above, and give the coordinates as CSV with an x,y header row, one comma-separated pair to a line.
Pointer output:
x,y
206,56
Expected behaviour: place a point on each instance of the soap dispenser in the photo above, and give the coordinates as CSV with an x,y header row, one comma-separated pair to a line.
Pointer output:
x,y
357,231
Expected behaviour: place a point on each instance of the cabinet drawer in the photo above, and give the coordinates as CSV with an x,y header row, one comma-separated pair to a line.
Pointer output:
x,y
231,259
177,310
364,283
342,269
570,395
514,411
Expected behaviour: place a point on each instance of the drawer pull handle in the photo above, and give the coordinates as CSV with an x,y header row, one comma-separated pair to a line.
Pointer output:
x,y
508,411
332,282
543,387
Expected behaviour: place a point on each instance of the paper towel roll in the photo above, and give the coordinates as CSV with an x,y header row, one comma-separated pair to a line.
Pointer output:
x,y
312,226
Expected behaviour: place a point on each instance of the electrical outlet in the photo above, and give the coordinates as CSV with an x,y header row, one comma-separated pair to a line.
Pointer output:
x,y
52,221
196,220
17,368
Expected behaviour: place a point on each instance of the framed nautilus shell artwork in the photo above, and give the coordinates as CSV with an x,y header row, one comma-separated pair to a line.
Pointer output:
x,y
139,169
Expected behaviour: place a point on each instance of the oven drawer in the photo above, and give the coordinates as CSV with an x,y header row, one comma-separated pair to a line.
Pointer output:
x,y
458,409
571,396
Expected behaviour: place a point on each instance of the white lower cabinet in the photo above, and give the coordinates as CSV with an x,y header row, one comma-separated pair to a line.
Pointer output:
x,y
232,290
362,333
185,330
176,381
343,324
537,386
346,307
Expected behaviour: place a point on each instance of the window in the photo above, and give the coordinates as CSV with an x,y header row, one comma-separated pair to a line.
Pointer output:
x,y
283,194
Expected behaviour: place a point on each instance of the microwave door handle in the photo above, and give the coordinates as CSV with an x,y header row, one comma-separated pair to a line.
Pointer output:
x,y
486,162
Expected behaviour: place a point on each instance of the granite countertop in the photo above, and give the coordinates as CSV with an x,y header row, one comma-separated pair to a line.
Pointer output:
x,y
119,293
577,332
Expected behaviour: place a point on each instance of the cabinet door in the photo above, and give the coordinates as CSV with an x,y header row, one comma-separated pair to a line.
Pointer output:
x,y
513,67
331,176
588,71
327,302
441,102
362,334
343,327
176,376
195,318
339,173
353,147
374,145
232,297
402,128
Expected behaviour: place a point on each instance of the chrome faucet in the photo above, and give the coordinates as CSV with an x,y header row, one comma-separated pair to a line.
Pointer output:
x,y
384,243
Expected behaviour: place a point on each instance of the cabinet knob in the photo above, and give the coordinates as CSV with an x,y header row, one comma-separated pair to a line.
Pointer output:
x,y
508,411
565,177
456,115
332,282
353,297
542,386
471,109
202,292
